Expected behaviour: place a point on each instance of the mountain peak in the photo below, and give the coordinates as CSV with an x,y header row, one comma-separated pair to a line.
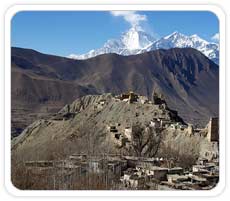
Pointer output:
x,y
198,38
175,34
135,29
136,39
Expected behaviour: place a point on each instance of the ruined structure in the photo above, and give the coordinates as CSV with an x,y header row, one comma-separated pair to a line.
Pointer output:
x,y
213,129
130,97
158,99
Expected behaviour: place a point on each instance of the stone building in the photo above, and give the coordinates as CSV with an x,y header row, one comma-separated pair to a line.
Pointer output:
x,y
131,97
158,99
213,129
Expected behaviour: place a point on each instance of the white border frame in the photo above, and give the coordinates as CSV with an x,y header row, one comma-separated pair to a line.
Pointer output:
x,y
17,8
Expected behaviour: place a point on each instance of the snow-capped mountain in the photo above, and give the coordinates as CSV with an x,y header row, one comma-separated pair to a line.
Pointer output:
x,y
136,41
176,39
131,42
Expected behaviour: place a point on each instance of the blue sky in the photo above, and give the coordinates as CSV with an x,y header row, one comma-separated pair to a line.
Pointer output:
x,y
64,32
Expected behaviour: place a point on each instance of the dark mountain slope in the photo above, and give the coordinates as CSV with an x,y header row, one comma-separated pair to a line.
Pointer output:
x,y
44,83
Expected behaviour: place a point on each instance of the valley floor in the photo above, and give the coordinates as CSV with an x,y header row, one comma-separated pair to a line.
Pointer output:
x,y
116,172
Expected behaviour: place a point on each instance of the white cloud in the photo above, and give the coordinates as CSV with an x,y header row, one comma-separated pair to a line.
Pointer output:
x,y
132,17
216,37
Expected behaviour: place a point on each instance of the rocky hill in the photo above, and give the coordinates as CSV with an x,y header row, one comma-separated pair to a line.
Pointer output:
x,y
91,124
42,84
97,124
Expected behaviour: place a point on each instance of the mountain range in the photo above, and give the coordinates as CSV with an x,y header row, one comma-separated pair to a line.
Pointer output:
x,y
41,84
136,41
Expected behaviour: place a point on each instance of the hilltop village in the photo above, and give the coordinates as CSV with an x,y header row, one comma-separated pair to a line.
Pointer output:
x,y
153,160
